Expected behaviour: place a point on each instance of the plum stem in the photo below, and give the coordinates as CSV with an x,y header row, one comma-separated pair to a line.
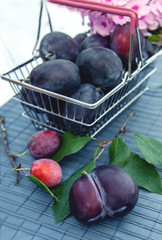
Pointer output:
x,y
21,154
20,169
25,80
84,173
49,54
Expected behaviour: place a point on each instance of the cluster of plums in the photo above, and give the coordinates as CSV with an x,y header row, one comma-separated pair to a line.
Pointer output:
x,y
107,191
83,68
79,68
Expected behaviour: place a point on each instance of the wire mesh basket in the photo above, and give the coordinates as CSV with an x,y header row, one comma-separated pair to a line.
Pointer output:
x,y
43,107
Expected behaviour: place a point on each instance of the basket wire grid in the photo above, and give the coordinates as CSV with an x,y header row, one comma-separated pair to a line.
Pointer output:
x,y
43,107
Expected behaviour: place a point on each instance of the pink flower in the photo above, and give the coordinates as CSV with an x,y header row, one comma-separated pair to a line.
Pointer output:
x,y
149,13
156,9
151,21
141,6
103,24
120,19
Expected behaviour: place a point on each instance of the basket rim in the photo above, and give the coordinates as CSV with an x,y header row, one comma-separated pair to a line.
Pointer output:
x,y
72,100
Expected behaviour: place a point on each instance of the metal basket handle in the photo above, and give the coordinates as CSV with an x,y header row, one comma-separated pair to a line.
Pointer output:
x,y
42,5
105,8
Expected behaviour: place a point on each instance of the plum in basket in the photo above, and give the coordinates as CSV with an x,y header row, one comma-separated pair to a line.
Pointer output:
x,y
94,40
58,76
58,45
100,66
87,93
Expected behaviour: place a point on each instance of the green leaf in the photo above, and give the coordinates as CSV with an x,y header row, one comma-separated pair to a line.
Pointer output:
x,y
150,148
154,38
70,144
61,208
42,185
118,153
144,173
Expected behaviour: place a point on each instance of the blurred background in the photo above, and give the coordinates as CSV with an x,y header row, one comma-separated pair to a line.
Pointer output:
x,y
18,32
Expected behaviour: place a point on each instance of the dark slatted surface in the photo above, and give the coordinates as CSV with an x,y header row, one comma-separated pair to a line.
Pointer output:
x,y
26,210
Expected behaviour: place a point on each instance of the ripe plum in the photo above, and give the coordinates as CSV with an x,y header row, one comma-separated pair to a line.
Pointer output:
x,y
100,66
149,49
44,143
86,93
59,76
58,45
47,171
120,42
80,37
107,191
34,98
94,40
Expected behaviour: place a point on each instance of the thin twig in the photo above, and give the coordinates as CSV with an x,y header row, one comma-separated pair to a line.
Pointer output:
x,y
96,139
104,145
123,128
99,154
11,156
18,173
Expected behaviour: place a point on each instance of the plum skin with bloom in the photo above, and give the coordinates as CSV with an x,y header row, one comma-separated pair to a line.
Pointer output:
x,y
44,143
47,171
107,191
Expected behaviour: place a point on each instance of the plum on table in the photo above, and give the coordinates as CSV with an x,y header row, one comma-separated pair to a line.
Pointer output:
x,y
47,171
107,191
44,143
